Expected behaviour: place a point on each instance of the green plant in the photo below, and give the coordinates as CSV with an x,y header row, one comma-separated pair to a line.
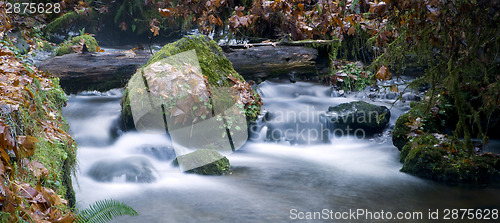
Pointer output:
x,y
348,76
104,211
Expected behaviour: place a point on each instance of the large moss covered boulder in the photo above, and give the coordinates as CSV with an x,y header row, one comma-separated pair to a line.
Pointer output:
x,y
203,162
357,117
216,71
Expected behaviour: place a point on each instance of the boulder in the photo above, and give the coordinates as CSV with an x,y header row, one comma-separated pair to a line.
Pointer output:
x,y
134,169
357,118
203,162
438,157
216,72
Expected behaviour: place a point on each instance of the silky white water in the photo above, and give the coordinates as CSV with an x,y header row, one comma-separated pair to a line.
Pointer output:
x,y
269,178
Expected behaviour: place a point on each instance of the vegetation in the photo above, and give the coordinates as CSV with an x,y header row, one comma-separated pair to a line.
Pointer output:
x,y
38,155
75,44
349,76
104,211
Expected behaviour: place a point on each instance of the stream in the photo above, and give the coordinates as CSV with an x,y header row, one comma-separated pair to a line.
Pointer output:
x,y
272,179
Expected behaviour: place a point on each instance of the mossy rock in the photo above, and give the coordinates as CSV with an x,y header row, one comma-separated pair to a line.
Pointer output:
x,y
425,161
204,161
212,61
441,122
445,160
423,140
358,115
213,64
65,48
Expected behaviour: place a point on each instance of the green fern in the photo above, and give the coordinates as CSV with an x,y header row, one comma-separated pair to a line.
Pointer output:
x,y
104,211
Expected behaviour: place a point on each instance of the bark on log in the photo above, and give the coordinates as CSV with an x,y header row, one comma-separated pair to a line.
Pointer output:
x,y
104,71
95,71
263,61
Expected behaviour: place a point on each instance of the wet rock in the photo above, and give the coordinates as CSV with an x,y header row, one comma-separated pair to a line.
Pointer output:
x,y
357,118
203,162
159,152
134,169
440,158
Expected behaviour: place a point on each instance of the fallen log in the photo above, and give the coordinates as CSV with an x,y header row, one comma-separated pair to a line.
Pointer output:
x,y
95,71
264,61
104,71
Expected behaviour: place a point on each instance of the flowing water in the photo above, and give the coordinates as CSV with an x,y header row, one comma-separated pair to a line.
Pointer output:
x,y
276,175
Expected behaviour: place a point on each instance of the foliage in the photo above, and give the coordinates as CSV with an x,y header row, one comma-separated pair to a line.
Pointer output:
x,y
303,19
75,44
37,154
33,138
348,76
459,42
104,211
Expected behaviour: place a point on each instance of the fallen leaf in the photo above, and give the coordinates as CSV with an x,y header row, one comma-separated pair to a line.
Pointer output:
x,y
383,73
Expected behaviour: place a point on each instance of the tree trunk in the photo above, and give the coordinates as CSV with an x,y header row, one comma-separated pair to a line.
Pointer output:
x,y
95,71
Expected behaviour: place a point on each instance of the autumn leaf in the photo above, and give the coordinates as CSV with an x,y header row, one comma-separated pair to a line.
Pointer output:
x,y
28,144
383,73
167,12
351,30
394,88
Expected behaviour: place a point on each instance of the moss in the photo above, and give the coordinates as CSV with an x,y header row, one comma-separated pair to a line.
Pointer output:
x,y
61,22
70,20
424,140
58,155
446,160
220,166
66,47
212,61
425,161
214,66
431,123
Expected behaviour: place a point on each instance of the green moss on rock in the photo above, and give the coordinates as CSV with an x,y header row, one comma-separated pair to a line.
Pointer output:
x,y
66,47
212,61
214,66
424,140
217,163
444,160
436,116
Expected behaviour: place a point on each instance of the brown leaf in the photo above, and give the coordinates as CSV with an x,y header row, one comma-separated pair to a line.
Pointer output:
x,y
351,30
167,12
27,144
38,169
383,73
394,88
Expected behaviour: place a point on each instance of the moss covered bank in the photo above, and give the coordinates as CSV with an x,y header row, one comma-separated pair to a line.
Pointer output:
x,y
38,156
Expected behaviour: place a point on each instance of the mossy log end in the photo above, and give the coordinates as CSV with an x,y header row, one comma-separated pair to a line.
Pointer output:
x,y
95,71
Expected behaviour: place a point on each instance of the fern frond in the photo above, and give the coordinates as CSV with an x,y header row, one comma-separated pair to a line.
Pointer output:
x,y
104,211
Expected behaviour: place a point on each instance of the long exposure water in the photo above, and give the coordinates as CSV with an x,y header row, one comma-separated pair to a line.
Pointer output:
x,y
272,179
